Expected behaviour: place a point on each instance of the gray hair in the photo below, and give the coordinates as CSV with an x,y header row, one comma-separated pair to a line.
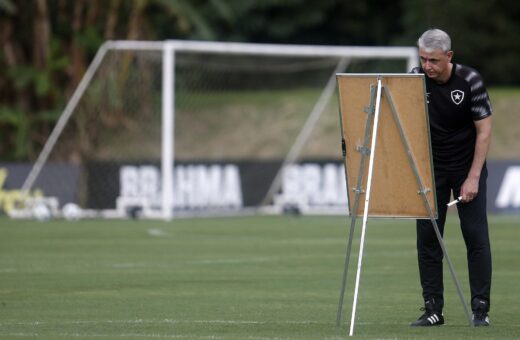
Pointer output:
x,y
434,39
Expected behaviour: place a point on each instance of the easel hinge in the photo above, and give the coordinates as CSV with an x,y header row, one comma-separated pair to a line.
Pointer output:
x,y
363,150
358,190
423,191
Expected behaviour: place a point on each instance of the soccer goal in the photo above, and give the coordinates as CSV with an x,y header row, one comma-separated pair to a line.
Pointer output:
x,y
190,128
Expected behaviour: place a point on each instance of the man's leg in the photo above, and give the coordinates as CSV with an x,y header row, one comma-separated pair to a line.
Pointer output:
x,y
429,251
474,224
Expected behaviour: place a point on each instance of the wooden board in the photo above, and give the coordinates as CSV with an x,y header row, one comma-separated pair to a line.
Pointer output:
x,y
395,190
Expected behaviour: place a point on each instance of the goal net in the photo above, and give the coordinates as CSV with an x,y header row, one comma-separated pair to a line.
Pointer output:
x,y
182,128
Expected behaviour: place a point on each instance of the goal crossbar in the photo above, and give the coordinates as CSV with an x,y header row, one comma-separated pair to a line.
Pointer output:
x,y
169,49
352,52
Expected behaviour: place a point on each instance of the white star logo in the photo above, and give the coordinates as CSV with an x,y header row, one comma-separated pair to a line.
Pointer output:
x,y
457,96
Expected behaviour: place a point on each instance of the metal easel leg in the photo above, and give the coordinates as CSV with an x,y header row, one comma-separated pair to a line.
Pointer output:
x,y
358,191
347,260
450,265
367,203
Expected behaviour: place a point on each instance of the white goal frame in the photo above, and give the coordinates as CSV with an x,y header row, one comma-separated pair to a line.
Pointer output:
x,y
169,49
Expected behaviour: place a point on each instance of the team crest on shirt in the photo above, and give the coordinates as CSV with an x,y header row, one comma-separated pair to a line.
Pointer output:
x,y
457,96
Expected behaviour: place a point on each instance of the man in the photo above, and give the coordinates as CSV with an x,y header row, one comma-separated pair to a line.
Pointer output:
x,y
460,128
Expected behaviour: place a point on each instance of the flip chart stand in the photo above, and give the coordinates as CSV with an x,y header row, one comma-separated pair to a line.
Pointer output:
x,y
371,128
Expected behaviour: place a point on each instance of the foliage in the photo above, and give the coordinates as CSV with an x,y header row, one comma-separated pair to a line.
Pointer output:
x,y
48,44
484,33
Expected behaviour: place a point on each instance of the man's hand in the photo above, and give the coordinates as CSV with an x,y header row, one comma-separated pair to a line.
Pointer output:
x,y
469,190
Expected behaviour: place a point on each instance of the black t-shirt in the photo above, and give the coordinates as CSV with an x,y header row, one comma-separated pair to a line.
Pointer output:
x,y
453,107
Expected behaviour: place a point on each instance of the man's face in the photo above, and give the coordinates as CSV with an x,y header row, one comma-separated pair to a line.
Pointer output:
x,y
436,64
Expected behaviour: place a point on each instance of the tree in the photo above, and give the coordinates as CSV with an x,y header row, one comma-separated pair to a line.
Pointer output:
x,y
484,33
48,44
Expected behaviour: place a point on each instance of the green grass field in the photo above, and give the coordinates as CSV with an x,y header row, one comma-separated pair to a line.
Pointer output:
x,y
227,119
234,278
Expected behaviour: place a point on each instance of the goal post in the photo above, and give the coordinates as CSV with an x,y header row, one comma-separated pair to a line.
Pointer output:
x,y
170,95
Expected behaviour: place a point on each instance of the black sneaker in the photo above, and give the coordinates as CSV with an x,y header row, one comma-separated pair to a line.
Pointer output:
x,y
432,316
480,313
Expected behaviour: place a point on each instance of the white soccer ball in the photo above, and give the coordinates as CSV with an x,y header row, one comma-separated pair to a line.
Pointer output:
x,y
41,212
71,212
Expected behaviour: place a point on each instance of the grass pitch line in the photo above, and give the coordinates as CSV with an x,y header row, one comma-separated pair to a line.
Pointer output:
x,y
164,321
25,335
148,265
156,232
234,260
124,335
137,335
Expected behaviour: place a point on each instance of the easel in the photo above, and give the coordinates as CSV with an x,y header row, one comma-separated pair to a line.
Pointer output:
x,y
377,93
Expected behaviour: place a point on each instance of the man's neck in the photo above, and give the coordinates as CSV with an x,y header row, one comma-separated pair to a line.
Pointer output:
x,y
446,76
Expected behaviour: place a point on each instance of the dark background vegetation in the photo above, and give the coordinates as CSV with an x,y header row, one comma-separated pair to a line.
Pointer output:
x,y
48,44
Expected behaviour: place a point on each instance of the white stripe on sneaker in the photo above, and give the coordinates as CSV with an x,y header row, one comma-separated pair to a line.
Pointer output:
x,y
433,319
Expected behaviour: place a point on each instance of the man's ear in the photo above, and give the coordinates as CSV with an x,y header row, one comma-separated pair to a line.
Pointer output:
x,y
449,54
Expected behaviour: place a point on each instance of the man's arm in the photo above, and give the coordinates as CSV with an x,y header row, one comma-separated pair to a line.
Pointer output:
x,y
469,188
